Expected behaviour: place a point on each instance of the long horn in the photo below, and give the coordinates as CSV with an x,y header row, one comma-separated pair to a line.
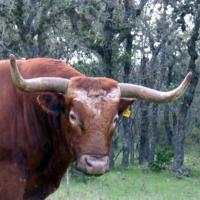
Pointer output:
x,y
151,95
42,84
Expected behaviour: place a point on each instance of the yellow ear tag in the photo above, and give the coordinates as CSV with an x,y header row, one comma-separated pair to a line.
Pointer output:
x,y
127,112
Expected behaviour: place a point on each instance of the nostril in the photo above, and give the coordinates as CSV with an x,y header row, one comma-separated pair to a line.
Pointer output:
x,y
88,162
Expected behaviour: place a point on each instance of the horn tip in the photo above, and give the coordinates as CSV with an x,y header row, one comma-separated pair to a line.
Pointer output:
x,y
189,76
12,56
189,73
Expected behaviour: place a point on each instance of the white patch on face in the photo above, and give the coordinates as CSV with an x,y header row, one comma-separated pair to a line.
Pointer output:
x,y
93,98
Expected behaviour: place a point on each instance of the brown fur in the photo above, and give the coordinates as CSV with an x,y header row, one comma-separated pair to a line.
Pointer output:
x,y
88,83
36,147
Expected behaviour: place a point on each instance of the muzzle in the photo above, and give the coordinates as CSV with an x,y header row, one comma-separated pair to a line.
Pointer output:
x,y
93,165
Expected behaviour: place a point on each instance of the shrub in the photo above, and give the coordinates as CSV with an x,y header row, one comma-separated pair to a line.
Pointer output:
x,y
163,159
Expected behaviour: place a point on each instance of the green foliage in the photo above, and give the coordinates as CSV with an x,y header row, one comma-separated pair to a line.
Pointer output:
x,y
98,42
123,58
163,158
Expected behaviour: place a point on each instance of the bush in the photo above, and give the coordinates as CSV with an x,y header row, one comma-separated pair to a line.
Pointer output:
x,y
163,159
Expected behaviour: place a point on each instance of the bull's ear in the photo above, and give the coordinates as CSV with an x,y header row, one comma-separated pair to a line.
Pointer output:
x,y
51,103
124,103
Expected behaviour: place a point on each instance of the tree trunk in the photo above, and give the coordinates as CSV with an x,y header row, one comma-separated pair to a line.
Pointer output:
x,y
188,98
107,44
168,126
126,142
174,123
127,69
111,156
144,121
154,138
161,48
107,55
132,150
144,133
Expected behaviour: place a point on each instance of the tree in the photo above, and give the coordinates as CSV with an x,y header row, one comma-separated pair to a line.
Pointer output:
x,y
188,98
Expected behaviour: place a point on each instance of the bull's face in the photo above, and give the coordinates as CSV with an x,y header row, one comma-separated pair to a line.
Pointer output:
x,y
89,113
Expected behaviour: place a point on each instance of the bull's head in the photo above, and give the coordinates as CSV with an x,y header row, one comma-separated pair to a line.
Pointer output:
x,y
89,109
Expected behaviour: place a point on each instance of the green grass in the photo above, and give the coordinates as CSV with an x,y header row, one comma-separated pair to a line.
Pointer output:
x,y
134,184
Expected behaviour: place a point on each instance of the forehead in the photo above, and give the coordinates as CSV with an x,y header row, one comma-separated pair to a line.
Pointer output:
x,y
95,93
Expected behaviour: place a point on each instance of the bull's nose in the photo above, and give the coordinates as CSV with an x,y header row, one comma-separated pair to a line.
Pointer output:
x,y
93,165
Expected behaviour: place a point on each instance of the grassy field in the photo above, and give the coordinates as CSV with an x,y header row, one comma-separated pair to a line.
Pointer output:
x,y
134,184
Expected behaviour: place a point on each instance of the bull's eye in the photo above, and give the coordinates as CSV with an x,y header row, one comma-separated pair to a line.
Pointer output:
x,y
73,118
